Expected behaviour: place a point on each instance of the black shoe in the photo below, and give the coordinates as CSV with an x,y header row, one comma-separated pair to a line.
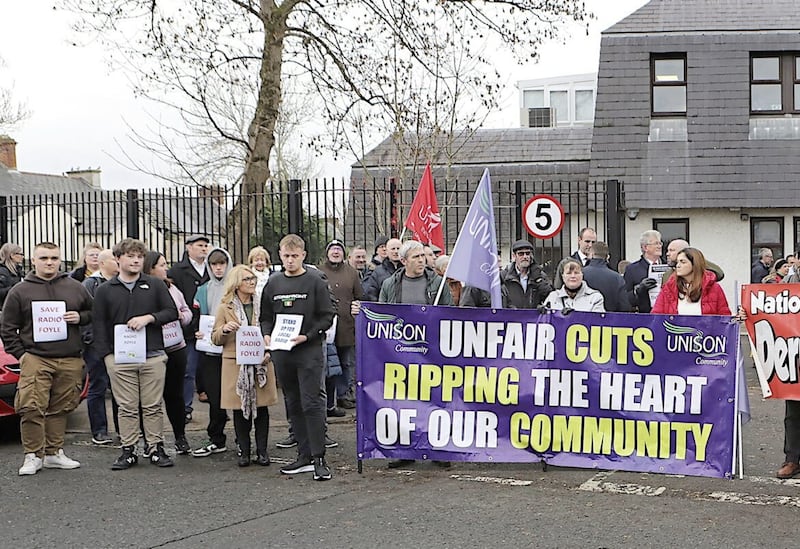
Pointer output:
x,y
321,470
160,457
182,446
330,443
442,464
303,464
187,418
101,439
244,457
126,460
262,458
336,412
345,403
288,442
397,463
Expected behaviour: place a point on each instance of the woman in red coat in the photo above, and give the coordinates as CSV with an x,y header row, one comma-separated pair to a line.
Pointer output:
x,y
691,290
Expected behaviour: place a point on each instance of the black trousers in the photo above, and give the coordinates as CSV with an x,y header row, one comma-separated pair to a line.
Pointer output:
x,y
300,372
243,426
211,366
791,431
173,391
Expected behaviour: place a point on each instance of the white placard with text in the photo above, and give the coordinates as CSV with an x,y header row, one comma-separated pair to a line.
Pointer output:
x,y
130,346
48,321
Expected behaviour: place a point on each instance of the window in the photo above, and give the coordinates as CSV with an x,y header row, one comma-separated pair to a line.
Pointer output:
x,y
584,105
668,85
671,229
533,98
796,223
775,83
766,232
559,100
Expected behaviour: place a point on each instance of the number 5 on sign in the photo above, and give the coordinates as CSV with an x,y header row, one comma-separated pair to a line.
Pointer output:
x,y
543,216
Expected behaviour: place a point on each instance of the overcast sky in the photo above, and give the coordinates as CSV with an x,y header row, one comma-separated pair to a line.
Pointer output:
x,y
79,105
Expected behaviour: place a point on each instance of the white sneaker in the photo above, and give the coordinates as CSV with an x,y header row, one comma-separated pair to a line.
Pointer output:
x,y
60,461
31,465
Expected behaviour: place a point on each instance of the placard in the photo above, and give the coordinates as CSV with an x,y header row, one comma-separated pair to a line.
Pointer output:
x,y
249,345
204,345
48,321
287,327
172,333
130,346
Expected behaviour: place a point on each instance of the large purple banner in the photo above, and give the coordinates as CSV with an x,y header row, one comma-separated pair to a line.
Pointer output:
x,y
617,391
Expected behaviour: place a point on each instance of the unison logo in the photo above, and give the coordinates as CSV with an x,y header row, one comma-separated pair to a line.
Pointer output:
x,y
711,350
411,338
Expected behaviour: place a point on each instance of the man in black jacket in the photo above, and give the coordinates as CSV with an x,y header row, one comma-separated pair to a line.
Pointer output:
x,y
637,281
372,283
761,267
523,285
598,275
139,302
188,275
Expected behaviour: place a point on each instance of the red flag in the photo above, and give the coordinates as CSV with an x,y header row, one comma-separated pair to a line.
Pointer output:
x,y
424,220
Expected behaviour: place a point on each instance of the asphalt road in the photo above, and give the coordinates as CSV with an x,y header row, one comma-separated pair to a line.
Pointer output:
x,y
212,502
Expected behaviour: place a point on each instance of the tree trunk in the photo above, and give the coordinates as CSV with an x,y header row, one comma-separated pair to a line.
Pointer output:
x,y
243,218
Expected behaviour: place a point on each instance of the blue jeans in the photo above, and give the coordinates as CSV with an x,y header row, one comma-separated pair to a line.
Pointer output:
x,y
345,381
192,361
96,396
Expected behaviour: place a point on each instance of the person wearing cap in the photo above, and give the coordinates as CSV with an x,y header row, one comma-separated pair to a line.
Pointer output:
x,y
188,275
345,286
372,284
380,252
523,285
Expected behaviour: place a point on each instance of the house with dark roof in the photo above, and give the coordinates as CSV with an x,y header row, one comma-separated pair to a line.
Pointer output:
x,y
72,210
698,114
522,162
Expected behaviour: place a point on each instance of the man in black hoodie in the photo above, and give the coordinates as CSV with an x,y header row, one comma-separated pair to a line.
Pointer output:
x,y
41,319
188,275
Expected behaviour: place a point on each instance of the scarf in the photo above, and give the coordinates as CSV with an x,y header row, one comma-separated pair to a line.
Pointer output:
x,y
249,374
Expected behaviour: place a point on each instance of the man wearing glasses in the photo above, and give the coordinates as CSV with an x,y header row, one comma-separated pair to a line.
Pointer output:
x,y
523,285
586,238
637,282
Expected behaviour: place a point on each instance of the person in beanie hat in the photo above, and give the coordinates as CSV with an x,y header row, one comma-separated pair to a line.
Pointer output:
x,y
345,286
380,253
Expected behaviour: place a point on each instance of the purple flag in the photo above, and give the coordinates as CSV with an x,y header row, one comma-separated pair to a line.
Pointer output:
x,y
474,259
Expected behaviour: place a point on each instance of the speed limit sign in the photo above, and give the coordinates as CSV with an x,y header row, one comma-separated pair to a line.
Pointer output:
x,y
543,216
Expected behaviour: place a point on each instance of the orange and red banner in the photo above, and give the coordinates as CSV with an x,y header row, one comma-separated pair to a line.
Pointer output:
x,y
773,327
424,220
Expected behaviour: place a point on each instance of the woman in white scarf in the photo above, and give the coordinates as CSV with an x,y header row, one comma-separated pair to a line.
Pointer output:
x,y
248,390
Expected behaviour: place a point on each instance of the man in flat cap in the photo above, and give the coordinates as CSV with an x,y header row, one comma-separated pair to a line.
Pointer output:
x,y
523,284
188,275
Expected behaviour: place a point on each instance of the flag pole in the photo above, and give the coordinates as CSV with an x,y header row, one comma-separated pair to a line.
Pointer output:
x,y
439,293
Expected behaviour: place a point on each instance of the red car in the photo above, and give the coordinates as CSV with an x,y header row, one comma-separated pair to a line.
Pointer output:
x,y
9,375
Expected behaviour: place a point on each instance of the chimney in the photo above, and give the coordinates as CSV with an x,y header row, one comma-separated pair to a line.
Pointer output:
x,y
212,192
91,176
8,152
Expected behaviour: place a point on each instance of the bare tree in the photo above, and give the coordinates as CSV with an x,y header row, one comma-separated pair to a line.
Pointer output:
x,y
12,112
199,55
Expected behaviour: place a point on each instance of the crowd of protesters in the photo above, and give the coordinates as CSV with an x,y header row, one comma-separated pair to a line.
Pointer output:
x,y
190,315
